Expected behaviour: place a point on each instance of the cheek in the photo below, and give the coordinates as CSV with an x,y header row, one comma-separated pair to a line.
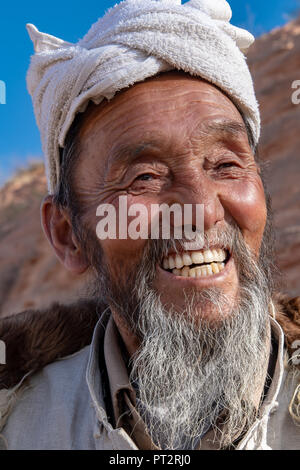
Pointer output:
x,y
121,256
125,251
245,202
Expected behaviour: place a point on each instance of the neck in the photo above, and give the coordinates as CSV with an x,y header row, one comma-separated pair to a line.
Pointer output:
x,y
131,341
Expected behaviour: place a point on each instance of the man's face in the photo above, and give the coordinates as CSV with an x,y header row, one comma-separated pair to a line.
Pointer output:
x,y
172,139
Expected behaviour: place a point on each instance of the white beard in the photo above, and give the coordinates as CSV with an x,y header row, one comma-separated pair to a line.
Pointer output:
x,y
187,371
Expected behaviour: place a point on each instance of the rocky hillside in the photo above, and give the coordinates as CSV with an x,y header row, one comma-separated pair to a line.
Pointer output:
x,y
275,63
30,275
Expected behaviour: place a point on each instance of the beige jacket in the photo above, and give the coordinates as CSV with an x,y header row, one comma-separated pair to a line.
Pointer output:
x,y
64,405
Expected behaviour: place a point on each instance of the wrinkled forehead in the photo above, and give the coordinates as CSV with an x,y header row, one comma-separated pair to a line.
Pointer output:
x,y
173,106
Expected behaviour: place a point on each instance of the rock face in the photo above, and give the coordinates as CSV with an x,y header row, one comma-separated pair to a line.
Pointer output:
x,y
274,60
31,276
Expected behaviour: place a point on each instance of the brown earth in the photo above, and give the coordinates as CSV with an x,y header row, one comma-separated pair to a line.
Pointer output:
x,y
31,276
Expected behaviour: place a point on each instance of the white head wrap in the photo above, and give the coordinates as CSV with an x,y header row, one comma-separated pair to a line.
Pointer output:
x,y
135,40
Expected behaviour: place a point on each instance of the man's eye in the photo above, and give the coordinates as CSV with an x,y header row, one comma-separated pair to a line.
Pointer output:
x,y
145,177
226,165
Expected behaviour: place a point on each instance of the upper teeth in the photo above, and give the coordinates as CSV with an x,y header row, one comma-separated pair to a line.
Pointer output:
x,y
177,261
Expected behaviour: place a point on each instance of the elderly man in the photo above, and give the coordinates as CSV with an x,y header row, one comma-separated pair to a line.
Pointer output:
x,y
191,348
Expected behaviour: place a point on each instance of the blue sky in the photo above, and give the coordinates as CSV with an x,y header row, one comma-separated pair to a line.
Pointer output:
x,y
70,20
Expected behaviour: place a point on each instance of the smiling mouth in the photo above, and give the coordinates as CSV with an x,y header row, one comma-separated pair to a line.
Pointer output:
x,y
202,263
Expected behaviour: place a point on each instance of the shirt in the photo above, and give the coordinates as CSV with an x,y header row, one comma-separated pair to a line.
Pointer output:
x,y
69,405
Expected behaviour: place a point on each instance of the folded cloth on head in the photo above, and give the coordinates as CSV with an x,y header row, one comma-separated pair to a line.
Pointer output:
x,y
135,40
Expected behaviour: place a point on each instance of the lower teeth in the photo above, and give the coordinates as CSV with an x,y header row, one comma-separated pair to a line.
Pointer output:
x,y
201,271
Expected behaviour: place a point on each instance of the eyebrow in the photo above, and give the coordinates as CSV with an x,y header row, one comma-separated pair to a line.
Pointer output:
x,y
130,152
232,128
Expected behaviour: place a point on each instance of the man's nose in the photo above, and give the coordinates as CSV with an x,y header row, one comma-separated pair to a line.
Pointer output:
x,y
202,190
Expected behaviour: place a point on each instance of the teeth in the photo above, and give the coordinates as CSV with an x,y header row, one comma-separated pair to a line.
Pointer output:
x,y
166,263
215,268
204,271
171,262
178,262
185,271
197,257
221,255
200,271
187,260
213,260
208,256
209,270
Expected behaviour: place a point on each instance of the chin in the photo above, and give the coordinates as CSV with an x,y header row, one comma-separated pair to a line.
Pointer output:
x,y
211,305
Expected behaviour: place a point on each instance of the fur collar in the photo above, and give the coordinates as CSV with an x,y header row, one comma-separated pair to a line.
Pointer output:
x,y
36,338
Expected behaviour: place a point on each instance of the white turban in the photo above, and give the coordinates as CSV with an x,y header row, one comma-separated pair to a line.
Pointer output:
x,y
135,40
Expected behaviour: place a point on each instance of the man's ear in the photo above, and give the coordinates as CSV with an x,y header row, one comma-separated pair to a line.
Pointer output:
x,y
58,230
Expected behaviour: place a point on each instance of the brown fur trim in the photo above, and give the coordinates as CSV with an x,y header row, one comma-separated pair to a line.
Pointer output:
x,y
36,338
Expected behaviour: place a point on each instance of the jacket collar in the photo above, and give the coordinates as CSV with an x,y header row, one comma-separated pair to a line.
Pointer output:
x,y
256,436
93,377
119,437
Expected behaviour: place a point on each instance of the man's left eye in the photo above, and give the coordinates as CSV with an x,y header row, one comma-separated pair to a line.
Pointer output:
x,y
145,177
